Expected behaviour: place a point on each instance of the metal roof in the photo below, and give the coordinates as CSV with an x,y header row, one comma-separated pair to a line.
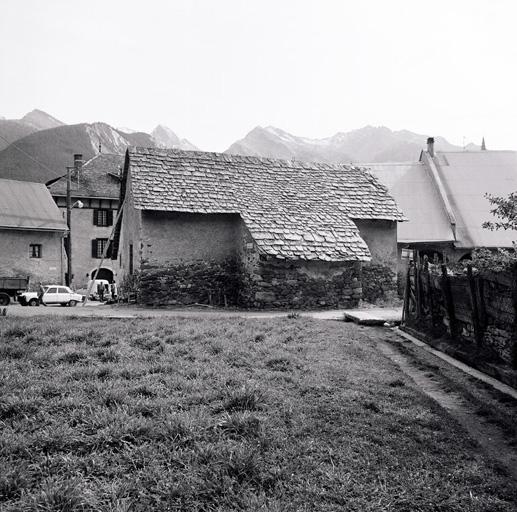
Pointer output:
x,y
413,188
26,205
467,177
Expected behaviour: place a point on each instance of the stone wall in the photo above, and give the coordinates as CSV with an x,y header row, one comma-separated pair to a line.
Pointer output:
x,y
244,277
15,260
269,282
379,276
199,282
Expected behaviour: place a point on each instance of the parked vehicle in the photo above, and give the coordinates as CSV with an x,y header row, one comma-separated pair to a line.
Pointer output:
x,y
52,294
10,287
30,298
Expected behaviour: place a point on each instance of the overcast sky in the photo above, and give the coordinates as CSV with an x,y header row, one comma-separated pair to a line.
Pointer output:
x,y
213,69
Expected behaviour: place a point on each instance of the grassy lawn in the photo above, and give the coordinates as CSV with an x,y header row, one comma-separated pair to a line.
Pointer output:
x,y
224,414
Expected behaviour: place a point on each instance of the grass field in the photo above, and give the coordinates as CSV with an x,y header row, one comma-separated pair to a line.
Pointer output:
x,y
224,414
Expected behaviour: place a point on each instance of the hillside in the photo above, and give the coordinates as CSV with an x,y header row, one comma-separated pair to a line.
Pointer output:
x,y
55,148
368,144
12,130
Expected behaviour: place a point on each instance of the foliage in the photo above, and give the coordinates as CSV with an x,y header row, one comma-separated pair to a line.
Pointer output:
x,y
505,210
489,260
130,285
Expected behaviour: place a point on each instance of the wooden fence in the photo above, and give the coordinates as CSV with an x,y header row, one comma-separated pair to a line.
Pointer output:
x,y
477,308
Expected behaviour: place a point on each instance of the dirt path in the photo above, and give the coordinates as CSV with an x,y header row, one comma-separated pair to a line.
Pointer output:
x,y
483,430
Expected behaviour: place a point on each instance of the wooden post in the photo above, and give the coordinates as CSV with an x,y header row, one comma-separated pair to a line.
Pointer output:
x,y
69,225
478,332
514,300
480,293
418,290
407,293
449,304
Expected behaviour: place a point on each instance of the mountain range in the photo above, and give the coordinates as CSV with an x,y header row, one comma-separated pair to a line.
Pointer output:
x,y
365,145
39,147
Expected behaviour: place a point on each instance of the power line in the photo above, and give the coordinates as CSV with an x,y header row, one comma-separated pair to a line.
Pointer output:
x,y
53,171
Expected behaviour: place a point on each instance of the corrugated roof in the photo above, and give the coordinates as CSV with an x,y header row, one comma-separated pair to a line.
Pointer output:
x,y
27,205
413,188
292,209
97,178
469,175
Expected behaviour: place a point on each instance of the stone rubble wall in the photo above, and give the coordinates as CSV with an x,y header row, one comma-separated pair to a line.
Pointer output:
x,y
278,283
198,282
379,282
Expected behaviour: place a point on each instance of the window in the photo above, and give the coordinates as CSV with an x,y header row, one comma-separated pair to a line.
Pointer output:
x,y
35,250
130,259
102,217
98,246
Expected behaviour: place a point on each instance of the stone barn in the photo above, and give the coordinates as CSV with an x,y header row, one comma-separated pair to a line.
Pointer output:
x,y
222,229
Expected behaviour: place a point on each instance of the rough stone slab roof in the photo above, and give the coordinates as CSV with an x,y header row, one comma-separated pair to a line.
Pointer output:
x,y
292,209
98,178
28,206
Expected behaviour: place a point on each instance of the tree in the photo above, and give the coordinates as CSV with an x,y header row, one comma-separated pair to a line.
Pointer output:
x,y
505,210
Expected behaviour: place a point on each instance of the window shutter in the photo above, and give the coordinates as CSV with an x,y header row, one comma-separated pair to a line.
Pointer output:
x,y
110,218
95,218
94,248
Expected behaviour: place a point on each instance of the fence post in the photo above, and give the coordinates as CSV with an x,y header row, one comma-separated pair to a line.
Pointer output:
x,y
514,300
407,293
478,333
418,291
449,304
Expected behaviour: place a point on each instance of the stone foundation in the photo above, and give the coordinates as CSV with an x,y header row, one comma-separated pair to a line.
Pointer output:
x,y
199,282
275,283
379,282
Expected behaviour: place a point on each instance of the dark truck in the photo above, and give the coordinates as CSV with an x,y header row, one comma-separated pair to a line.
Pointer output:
x,y
10,287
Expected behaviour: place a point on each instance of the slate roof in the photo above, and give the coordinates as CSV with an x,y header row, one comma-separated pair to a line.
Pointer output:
x,y
292,209
413,188
98,178
467,176
26,205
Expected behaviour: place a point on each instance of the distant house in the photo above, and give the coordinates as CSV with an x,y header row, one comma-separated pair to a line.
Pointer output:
x,y
443,195
31,233
215,228
97,185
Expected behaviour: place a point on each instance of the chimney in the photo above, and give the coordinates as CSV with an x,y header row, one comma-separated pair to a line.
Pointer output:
x,y
78,161
78,164
430,146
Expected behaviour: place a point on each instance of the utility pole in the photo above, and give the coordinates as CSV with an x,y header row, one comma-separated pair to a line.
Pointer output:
x,y
69,224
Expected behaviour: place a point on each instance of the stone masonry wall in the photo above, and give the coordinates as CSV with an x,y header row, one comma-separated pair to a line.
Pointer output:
x,y
269,282
199,282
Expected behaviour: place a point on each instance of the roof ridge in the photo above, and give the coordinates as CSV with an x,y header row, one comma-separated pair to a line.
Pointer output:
x,y
241,158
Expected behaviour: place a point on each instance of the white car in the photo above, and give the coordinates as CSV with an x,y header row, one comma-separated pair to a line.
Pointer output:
x,y
53,294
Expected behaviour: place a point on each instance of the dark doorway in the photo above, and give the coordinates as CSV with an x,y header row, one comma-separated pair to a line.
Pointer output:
x,y
104,273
